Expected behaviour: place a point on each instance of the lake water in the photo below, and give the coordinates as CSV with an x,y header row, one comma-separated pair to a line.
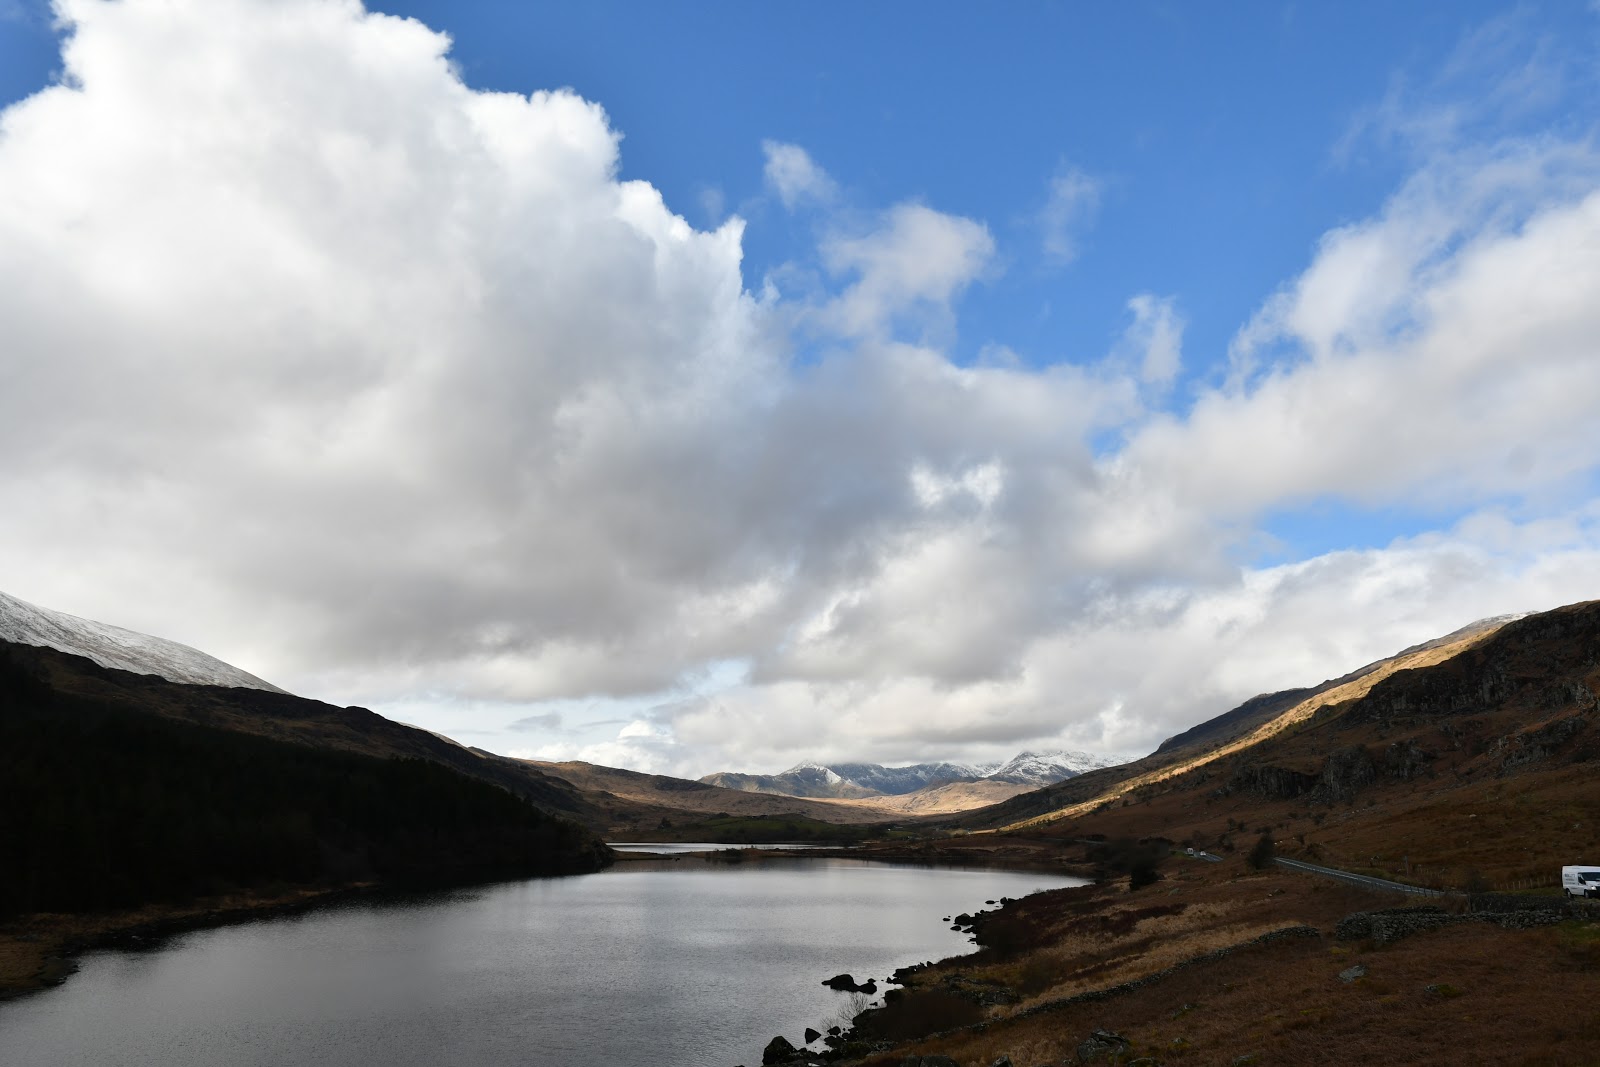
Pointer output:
x,y
644,965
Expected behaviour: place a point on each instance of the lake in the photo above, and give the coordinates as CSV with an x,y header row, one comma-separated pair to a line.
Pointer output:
x,y
671,964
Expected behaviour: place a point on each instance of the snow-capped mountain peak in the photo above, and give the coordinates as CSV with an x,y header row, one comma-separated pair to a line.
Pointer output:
x,y
1045,768
114,647
812,766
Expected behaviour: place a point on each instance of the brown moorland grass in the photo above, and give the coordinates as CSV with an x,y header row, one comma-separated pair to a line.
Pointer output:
x,y
1498,996
1514,829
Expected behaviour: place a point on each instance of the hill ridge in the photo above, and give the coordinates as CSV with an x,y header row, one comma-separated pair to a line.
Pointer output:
x,y
118,648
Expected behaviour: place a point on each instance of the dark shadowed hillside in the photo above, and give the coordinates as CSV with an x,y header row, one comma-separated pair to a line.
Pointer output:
x,y
282,717
111,803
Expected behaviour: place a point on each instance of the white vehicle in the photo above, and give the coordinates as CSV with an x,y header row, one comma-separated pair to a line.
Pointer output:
x,y
1580,881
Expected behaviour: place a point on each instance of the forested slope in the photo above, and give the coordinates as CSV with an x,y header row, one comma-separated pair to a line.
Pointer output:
x,y
106,804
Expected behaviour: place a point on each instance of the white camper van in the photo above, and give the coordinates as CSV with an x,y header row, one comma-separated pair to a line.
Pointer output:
x,y
1580,881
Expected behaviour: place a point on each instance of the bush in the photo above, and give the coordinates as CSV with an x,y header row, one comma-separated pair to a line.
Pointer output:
x,y
1262,852
1142,872
1137,859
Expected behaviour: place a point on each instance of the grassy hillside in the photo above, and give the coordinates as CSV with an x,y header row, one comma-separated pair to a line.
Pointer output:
x,y
1469,757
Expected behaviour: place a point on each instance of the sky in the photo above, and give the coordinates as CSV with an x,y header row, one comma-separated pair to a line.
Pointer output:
x,y
712,387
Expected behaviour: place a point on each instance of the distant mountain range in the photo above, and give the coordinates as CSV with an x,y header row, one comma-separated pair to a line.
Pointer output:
x,y
856,781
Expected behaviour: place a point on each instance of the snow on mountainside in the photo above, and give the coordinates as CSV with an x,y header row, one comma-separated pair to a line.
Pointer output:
x,y
862,780
1048,768
112,646
896,781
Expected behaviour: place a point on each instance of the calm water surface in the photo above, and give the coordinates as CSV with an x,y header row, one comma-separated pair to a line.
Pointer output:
x,y
645,965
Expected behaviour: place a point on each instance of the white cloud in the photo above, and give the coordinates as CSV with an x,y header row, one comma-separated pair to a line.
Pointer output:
x,y
1155,338
1073,200
1444,351
917,260
390,391
794,176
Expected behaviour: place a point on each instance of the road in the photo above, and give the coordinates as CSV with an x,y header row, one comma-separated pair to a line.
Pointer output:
x,y
1362,880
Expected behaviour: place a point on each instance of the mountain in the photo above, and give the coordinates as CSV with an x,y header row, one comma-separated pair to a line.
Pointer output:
x,y
801,780
660,795
1231,735
112,646
897,781
124,790
1046,768
862,781
1256,711
1468,759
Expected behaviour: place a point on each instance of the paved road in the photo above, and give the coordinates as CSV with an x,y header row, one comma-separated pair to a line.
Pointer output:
x,y
1360,879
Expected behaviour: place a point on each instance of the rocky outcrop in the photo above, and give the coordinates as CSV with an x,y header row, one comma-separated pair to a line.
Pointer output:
x,y
1542,661
1102,1046
1405,760
778,1050
1269,781
1537,745
844,983
1346,773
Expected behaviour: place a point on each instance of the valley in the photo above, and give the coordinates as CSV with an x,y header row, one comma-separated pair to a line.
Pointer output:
x,y
1464,764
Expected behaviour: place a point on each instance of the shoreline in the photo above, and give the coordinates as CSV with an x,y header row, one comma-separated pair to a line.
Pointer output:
x,y
40,951
1222,963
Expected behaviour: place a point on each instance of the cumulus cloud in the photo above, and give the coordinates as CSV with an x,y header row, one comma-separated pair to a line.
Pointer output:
x,y
916,261
392,391
1442,350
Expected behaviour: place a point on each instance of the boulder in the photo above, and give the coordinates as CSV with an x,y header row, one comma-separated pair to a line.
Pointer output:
x,y
778,1050
811,1035
1350,974
1102,1044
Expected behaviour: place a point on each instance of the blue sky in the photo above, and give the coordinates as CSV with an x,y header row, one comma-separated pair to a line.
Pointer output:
x,y
1061,338
1223,140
